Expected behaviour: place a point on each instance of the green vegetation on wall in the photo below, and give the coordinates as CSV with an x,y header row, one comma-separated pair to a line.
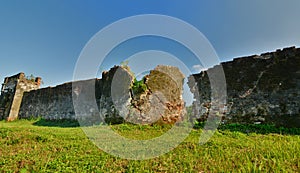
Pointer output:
x,y
31,78
139,87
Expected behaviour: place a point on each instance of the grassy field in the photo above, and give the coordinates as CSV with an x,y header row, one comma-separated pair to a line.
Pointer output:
x,y
39,146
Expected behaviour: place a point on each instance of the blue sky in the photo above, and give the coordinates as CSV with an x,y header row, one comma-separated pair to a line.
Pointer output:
x,y
45,37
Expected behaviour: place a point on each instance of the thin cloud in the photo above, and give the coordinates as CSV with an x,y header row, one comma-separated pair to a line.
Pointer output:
x,y
198,68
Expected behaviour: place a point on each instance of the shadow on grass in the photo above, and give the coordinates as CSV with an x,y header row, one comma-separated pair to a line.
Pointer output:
x,y
243,128
56,123
260,129
254,128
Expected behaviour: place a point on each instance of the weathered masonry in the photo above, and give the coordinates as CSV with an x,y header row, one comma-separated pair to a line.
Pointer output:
x,y
260,89
12,94
120,97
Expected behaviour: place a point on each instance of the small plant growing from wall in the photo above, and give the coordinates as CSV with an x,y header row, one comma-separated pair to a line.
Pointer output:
x,y
31,78
139,87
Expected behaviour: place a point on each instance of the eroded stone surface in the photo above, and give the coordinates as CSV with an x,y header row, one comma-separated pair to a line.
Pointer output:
x,y
260,89
162,102
12,94
116,102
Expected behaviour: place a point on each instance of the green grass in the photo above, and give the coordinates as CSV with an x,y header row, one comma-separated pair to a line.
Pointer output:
x,y
35,146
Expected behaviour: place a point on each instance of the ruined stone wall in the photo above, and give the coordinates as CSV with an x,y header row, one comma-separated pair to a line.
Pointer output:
x,y
161,101
56,103
49,103
260,89
114,97
12,94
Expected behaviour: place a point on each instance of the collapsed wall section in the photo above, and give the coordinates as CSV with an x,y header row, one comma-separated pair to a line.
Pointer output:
x,y
161,99
115,96
260,88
